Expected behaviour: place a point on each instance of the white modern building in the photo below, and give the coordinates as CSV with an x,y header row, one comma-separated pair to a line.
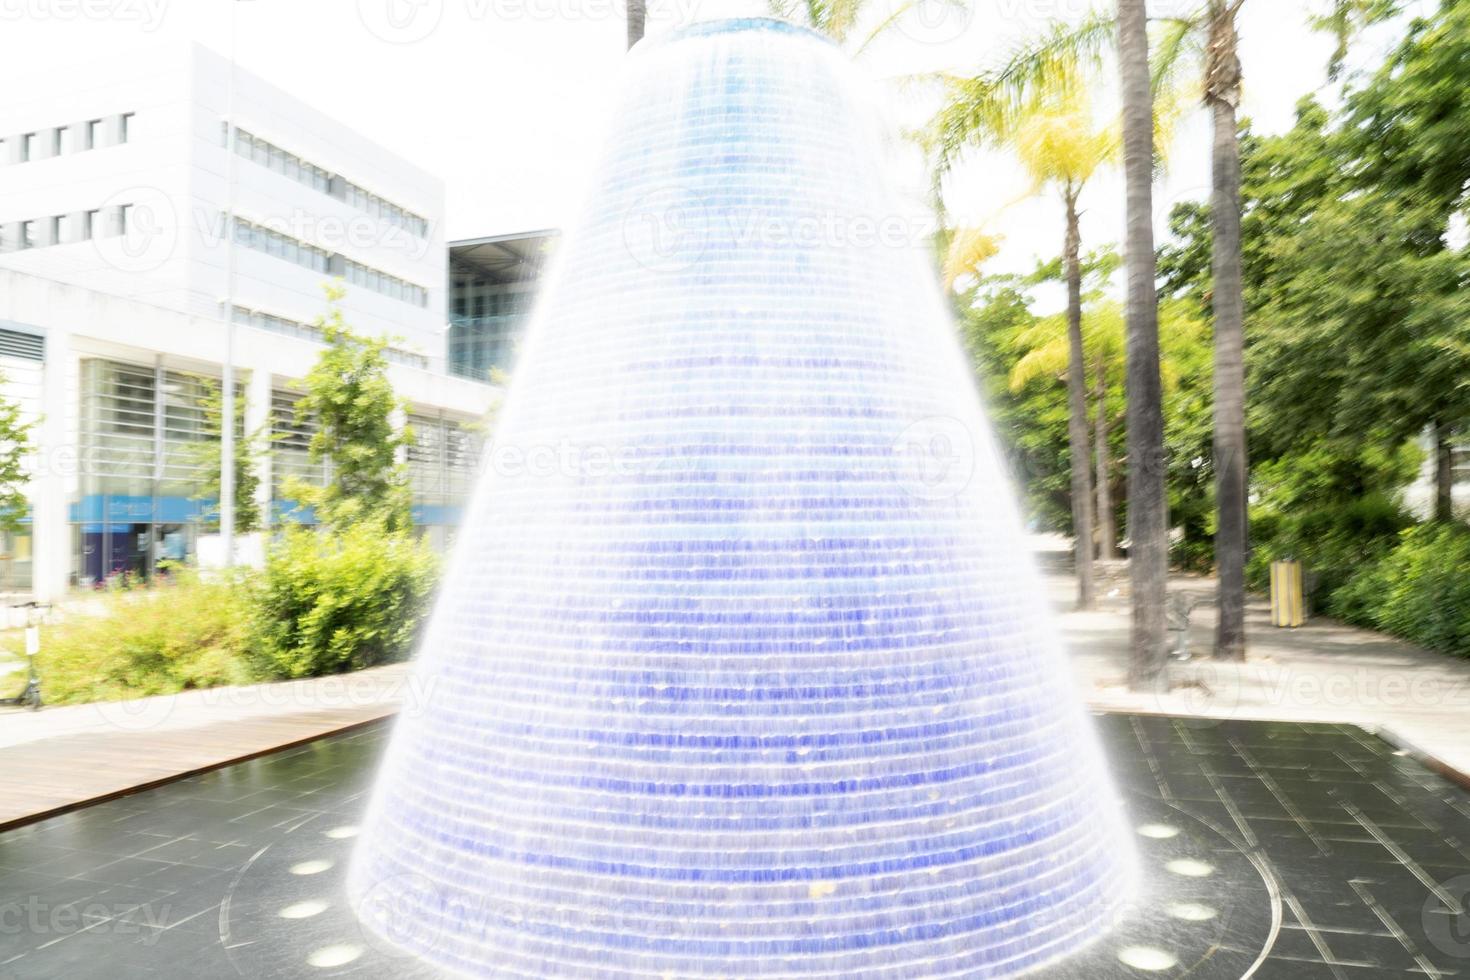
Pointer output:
x,y
116,282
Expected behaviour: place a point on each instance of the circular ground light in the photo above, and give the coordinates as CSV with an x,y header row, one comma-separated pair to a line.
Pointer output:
x,y
1202,910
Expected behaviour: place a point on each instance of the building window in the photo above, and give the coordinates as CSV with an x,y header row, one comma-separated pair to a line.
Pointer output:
x,y
126,225
53,141
94,134
91,224
273,243
27,234
302,171
27,147
381,282
125,126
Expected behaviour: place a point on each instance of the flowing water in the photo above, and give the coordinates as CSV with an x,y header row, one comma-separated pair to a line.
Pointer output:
x,y
741,668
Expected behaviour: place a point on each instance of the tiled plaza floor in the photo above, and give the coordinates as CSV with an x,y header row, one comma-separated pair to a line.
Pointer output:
x,y
1325,854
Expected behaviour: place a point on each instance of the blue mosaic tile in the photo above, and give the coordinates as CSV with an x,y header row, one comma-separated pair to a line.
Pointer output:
x,y
740,667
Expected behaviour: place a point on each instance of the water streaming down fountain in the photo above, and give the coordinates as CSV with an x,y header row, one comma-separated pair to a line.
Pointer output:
x,y
740,668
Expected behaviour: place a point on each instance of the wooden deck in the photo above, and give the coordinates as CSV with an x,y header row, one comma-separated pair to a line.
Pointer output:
x,y
59,759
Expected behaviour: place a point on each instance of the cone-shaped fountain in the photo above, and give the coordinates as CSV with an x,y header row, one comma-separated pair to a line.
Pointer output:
x,y
740,668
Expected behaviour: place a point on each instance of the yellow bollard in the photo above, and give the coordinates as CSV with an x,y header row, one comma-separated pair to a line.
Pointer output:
x,y
1286,594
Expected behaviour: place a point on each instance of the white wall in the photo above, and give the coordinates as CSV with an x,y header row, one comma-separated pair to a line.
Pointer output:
x,y
174,168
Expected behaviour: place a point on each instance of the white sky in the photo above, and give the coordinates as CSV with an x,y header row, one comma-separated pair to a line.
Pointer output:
x,y
504,98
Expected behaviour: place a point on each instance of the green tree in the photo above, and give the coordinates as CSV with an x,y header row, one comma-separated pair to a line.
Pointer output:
x,y
1208,38
1356,305
1409,129
352,593
351,403
207,453
996,101
15,445
1102,349
1041,355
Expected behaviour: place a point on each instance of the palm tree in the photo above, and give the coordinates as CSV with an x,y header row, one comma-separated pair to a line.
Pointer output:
x,y
1045,356
637,14
1213,37
1148,507
1054,138
998,102
1208,37
1222,92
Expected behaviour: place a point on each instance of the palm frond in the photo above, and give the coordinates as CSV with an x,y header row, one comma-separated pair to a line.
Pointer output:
x,y
986,108
969,249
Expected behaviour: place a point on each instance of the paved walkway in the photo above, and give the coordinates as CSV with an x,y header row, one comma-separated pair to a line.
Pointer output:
x,y
1321,672
60,758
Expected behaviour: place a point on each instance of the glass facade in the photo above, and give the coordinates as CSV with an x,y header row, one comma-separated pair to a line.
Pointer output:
x,y
441,463
484,327
141,498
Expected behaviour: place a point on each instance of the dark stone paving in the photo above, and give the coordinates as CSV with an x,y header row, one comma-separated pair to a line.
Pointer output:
x,y
1302,851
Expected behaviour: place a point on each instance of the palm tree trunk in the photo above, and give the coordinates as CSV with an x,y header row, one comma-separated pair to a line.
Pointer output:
x,y
637,14
1106,545
1077,400
1444,474
1222,92
1148,509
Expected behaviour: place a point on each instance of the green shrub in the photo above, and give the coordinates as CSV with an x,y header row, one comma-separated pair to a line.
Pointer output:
x,y
181,633
1420,591
336,601
1331,542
